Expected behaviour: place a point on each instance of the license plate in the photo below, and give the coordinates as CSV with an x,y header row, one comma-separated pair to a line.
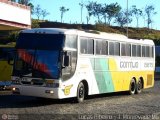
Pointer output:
x,y
25,80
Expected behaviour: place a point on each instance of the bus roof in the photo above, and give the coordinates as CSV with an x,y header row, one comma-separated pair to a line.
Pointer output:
x,y
89,33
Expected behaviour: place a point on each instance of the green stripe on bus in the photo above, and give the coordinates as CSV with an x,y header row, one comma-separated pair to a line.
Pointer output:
x,y
103,75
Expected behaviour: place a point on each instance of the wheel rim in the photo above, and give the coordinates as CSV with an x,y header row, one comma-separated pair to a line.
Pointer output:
x,y
139,86
81,92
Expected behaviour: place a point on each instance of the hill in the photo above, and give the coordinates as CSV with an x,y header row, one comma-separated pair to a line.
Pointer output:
x,y
135,33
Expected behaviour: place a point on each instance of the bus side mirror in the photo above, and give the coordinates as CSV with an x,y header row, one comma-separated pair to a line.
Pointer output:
x,y
66,60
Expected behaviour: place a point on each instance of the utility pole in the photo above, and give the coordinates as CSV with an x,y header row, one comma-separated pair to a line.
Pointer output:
x,y
127,18
82,5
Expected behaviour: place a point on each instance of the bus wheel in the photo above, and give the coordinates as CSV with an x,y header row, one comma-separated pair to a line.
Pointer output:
x,y
132,89
80,92
139,87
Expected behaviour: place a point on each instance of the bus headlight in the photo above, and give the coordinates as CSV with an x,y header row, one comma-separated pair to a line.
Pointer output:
x,y
15,90
49,91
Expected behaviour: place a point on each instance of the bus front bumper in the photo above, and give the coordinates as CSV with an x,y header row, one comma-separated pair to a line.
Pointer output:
x,y
44,92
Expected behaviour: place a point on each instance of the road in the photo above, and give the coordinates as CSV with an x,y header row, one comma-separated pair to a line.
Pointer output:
x,y
108,106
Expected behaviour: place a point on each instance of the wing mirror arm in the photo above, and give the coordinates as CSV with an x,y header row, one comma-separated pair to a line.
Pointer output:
x,y
66,60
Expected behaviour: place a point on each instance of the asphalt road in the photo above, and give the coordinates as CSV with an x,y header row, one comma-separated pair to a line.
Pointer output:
x,y
144,106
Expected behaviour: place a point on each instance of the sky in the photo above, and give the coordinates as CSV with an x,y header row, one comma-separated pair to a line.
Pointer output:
x,y
74,13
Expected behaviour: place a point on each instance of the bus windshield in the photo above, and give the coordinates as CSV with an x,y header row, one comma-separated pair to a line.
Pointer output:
x,y
38,55
40,41
37,63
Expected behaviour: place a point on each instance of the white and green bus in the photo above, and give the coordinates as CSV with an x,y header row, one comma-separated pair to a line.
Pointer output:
x,y
64,63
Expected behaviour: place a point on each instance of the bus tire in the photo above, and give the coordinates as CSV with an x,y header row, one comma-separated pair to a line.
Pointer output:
x,y
132,88
139,86
80,93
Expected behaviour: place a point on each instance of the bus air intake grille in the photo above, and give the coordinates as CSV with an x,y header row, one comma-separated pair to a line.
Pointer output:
x,y
149,79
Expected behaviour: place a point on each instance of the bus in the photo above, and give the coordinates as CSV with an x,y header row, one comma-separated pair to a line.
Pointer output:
x,y
68,63
5,68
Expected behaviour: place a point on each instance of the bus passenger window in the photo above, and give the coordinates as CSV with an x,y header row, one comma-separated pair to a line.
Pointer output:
x,y
116,48
111,48
98,47
84,46
152,51
128,49
106,46
101,47
71,41
143,51
134,51
147,51
138,50
123,50
87,46
90,47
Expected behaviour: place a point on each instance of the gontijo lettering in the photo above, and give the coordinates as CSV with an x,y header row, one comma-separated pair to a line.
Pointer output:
x,y
124,64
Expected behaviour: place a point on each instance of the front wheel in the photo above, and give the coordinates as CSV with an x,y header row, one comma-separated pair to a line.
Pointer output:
x,y
80,92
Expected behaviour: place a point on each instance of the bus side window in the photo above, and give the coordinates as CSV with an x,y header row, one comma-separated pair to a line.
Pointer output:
x,y
90,46
111,48
143,51
123,49
86,46
128,49
117,48
98,47
83,44
138,50
152,51
147,51
134,51
71,41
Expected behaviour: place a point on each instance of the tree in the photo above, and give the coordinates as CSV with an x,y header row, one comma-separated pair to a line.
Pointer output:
x,y
97,10
63,10
32,7
44,13
137,13
110,11
24,2
89,8
122,19
144,17
13,36
88,17
94,9
38,11
150,12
